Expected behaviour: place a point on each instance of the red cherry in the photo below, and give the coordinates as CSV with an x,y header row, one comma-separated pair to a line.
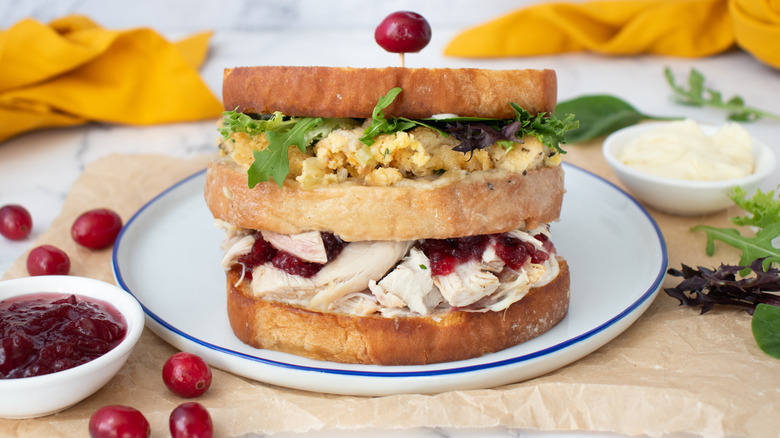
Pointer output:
x,y
403,32
117,421
186,375
15,222
191,420
48,260
96,229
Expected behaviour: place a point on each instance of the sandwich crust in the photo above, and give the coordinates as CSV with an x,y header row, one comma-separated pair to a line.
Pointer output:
x,y
462,204
354,92
380,340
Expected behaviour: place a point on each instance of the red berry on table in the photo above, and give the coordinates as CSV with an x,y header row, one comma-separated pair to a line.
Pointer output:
x,y
48,260
15,222
186,375
96,229
191,420
117,421
403,32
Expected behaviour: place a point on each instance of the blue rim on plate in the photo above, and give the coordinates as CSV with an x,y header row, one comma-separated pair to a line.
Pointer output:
x,y
650,292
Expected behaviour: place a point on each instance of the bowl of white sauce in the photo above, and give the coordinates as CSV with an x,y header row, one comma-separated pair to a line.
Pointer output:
x,y
687,168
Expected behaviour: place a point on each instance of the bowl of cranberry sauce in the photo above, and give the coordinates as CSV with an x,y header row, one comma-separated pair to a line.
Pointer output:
x,y
61,339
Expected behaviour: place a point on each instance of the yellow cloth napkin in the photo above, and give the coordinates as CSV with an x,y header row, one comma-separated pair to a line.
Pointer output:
x,y
687,28
74,71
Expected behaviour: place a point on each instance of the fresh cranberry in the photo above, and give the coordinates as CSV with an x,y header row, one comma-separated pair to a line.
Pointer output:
x,y
295,266
186,375
117,421
403,32
96,229
191,420
48,260
15,222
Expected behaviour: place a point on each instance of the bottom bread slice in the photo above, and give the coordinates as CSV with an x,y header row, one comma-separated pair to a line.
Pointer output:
x,y
414,340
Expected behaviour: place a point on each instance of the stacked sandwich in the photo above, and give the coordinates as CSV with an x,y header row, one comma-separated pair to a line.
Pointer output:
x,y
390,216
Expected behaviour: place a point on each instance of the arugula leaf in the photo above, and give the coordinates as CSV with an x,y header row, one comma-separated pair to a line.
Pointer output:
x,y
766,329
382,125
281,133
599,115
759,246
697,94
273,161
765,214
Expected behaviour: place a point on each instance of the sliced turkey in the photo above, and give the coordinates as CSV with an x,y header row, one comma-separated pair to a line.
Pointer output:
x,y
351,271
467,284
306,246
409,284
273,283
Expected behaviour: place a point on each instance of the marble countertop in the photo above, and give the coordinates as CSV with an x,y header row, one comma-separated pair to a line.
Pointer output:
x,y
37,169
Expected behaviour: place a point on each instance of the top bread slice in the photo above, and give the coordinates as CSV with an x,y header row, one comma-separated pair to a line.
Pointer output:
x,y
354,92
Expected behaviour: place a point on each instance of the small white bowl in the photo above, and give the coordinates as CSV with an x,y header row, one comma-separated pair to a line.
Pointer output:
x,y
43,395
683,197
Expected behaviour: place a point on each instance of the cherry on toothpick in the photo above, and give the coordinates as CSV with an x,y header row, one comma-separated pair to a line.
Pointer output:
x,y
403,32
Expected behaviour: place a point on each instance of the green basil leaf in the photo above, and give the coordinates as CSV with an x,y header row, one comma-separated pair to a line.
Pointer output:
x,y
599,115
766,329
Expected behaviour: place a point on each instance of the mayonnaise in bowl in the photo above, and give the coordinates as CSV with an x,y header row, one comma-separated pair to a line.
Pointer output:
x,y
681,150
686,168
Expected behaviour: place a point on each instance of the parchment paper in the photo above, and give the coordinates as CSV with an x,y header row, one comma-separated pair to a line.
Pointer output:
x,y
673,371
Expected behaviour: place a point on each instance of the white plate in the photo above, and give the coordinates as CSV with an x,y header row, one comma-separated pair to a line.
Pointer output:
x,y
168,257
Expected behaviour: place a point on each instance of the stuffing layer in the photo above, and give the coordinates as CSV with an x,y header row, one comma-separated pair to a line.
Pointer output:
x,y
420,152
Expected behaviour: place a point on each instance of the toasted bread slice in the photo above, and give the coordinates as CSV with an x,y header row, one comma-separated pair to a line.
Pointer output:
x,y
354,92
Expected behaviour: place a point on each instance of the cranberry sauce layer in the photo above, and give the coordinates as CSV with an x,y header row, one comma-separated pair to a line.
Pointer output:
x,y
444,254
49,332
